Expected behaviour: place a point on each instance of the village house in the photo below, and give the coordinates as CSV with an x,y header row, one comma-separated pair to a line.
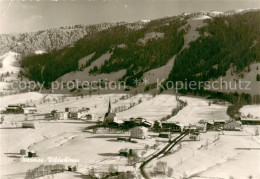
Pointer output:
x,y
139,132
142,121
233,126
83,113
32,154
125,152
14,109
210,125
29,110
250,121
191,128
133,122
147,124
89,117
194,136
219,124
48,116
61,115
22,152
172,127
165,135
74,115
137,120
202,126
30,124
71,109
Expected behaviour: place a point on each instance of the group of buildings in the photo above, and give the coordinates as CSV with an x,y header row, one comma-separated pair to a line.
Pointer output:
x,y
139,126
30,154
70,113
203,126
20,108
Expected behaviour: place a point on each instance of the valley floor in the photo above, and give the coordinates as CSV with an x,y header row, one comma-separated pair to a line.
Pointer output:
x,y
216,155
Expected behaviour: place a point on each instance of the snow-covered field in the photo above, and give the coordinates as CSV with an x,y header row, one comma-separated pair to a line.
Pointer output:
x,y
153,109
253,110
62,138
234,154
220,158
198,109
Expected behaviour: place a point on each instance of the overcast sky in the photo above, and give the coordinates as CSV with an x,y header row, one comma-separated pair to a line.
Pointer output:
x,y
28,16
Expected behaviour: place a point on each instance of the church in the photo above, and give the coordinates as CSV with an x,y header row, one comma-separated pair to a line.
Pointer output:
x,y
109,116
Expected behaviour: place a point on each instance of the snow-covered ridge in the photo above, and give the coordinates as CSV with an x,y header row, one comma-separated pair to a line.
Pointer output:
x,y
38,52
215,13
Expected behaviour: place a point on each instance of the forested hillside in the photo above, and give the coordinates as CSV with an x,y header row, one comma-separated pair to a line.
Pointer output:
x,y
227,41
134,56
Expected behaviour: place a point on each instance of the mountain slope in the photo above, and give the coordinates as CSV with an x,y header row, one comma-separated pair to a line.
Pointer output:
x,y
135,56
195,47
227,43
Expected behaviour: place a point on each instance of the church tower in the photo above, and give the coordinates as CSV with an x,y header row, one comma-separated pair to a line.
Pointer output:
x,y
109,107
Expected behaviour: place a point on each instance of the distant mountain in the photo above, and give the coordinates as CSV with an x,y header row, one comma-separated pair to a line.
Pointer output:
x,y
47,40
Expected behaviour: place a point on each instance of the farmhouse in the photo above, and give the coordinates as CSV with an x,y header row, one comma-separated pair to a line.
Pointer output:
x,y
137,120
89,116
14,109
71,109
83,113
191,128
48,116
61,115
147,124
32,154
30,124
201,126
210,125
172,127
233,126
219,123
74,115
139,132
250,121
29,110
165,135
194,136
125,152
22,152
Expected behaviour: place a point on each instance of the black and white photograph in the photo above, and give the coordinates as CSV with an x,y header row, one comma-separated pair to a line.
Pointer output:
x,y
129,89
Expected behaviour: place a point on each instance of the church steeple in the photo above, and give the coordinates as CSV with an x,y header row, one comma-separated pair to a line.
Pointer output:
x,y
109,107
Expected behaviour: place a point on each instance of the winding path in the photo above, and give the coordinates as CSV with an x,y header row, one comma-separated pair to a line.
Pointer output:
x,y
164,151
